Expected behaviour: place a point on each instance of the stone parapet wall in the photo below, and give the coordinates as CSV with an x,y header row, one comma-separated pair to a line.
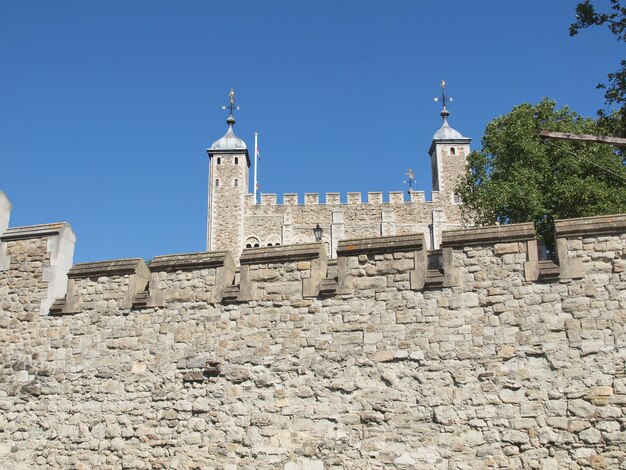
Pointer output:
x,y
269,223
372,197
477,356
34,262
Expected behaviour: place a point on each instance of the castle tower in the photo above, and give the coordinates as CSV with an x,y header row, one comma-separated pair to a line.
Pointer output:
x,y
448,152
229,165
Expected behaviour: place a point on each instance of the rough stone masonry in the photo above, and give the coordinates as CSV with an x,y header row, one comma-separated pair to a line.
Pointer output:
x,y
477,356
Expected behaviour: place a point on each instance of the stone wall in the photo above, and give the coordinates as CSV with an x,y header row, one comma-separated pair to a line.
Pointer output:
x,y
478,356
292,222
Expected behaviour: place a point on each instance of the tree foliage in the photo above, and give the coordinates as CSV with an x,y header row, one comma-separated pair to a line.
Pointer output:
x,y
612,121
521,177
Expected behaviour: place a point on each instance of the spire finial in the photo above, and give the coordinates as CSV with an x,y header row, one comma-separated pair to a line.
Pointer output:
x,y
231,108
444,99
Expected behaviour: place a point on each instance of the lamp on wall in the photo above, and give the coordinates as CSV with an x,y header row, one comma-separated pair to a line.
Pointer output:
x,y
318,231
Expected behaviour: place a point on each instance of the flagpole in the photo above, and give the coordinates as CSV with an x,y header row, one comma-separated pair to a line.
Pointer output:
x,y
256,154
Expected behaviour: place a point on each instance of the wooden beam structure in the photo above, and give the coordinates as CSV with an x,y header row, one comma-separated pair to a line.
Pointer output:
x,y
601,139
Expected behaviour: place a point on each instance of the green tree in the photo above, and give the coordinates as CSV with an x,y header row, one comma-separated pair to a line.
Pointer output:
x,y
613,118
520,177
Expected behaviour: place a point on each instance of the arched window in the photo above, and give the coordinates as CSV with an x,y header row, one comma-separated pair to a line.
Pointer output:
x,y
452,151
457,199
252,242
273,241
217,182
236,160
219,161
236,182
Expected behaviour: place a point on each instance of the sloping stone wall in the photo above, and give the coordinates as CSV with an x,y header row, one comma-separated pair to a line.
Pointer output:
x,y
484,361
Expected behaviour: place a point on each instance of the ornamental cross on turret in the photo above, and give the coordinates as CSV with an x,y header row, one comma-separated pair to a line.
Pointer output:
x,y
444,99
231,106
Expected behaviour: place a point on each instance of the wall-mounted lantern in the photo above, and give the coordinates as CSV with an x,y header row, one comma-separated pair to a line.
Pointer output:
x,y
318,231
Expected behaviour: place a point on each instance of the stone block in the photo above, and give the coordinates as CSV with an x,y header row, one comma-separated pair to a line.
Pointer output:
x,y
488,235
590,436
531,409
468,300
616,437
333,199
508,395
374,197
581,408
383,356
290,199
311,198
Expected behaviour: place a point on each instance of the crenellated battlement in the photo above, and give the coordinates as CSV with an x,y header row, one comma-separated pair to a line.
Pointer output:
x,y
339,199
399,262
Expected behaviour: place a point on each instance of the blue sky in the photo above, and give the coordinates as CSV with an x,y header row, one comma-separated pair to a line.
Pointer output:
x,y
107,107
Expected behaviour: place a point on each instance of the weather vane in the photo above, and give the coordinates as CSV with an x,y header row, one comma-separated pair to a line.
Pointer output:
x,y
231,106
443,98
411,179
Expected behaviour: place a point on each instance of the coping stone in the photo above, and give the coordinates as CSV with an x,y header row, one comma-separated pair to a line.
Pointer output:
x,y
118,267
390,244
488,235
582,226
281,253
191,261
33,231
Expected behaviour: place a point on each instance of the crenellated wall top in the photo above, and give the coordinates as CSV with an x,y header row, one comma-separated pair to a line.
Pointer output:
x,y
338,199
310,277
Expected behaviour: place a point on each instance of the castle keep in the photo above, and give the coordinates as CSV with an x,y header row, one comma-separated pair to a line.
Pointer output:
x,y
236,221
378,359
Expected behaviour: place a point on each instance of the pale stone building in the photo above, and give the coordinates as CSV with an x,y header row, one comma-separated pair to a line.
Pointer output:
x,y
236,221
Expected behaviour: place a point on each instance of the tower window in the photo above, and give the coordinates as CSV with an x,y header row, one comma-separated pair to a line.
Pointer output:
x,y
236,182
252,242
219,161
217,183
452,151
457,199
236,160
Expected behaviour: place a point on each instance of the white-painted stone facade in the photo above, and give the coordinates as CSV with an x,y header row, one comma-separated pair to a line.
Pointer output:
x,y
236,222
